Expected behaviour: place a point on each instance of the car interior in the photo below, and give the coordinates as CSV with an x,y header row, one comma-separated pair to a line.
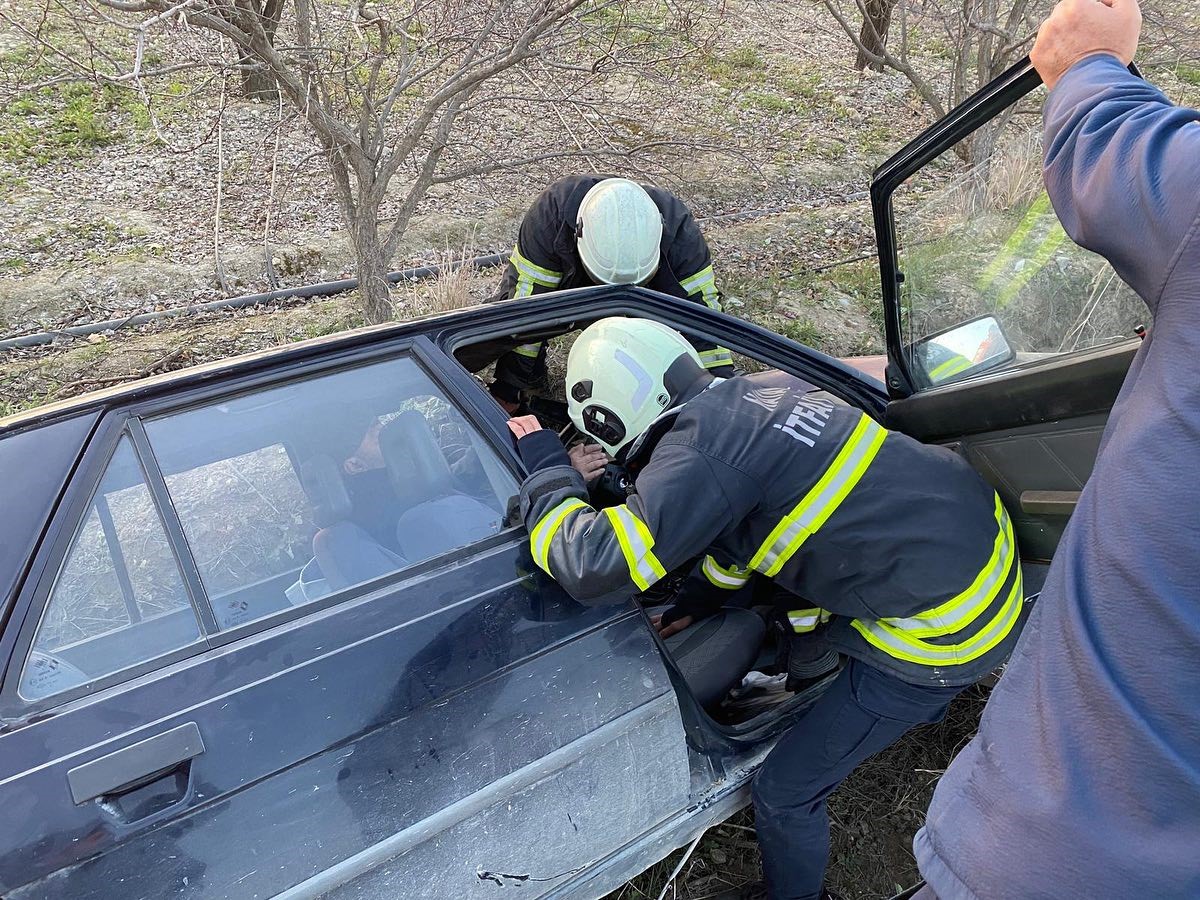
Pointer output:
x,y
390,479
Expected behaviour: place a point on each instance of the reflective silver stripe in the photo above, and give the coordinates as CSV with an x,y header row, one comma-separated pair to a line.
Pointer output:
x,y
820,502
547,526
961,611
693,283
713,359
636,543
531,271
896,644
705,284
728,579
530,350
803,620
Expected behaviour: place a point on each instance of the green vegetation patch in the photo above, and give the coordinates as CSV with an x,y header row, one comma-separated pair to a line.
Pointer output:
x,y
1188,74
63,121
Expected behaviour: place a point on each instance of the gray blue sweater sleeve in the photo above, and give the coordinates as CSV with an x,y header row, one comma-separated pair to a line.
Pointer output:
x,y
1122,160
1084,779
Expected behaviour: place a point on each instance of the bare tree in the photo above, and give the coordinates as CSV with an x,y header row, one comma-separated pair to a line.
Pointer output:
x,y
873,36
258,83
980,40
983,38
406,96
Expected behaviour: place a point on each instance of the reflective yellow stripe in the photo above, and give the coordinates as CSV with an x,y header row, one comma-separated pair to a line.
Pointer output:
x,y
705,284
693,283
713,359
952,366
1041,211
636,543
532,271
818,504
960,611
805,620
897,643
524,288
547,526
529,350
727,579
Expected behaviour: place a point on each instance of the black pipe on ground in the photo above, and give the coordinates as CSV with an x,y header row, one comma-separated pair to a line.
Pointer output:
x,y
321,289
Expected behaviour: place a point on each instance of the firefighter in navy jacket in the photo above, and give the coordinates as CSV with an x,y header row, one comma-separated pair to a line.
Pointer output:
x,y
593,229
896,553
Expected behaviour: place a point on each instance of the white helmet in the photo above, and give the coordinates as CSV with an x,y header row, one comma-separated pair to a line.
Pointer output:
x,y
619,232
622,374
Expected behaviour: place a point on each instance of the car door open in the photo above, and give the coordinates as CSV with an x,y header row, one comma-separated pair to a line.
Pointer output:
x,y
1005,339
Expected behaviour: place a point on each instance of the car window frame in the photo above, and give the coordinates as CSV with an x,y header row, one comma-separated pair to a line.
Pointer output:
x,y
60,536
49,560
960,123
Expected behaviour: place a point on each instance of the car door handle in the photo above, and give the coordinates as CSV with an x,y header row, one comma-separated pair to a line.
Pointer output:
x,y
132,766
1049,503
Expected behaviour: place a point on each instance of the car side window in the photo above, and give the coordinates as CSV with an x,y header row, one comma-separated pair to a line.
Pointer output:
x,y
991,279
118,599
289,494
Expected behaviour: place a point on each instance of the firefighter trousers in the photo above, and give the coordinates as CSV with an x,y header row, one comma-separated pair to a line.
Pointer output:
x,y
864,711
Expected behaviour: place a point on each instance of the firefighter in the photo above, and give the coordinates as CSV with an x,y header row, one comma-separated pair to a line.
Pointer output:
x,y
894,553
592,229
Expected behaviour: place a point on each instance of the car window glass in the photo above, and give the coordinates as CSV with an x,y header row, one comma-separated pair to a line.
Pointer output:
x,y
990,277
289,494
118,599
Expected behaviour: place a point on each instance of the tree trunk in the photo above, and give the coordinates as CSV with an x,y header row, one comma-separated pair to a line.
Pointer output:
x,y
257,82
374,293
874,33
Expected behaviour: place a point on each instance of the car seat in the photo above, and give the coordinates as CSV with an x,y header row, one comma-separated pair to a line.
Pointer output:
x,y
714,654
346,553
436,516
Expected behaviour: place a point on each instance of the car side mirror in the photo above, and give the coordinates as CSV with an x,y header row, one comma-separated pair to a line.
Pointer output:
x,y
966,349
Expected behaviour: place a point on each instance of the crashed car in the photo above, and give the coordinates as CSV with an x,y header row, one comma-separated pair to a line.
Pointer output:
x,y
271,627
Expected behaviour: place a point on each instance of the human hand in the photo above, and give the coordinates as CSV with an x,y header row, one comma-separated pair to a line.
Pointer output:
x,y
589,460
508,406
523,425
1078,29
665,631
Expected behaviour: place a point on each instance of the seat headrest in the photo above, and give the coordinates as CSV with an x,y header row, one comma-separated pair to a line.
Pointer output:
x,y
416,466
321,480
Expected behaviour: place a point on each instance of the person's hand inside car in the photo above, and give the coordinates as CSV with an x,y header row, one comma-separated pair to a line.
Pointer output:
x,y
665,631
589,460
1078,29
523,425
540,448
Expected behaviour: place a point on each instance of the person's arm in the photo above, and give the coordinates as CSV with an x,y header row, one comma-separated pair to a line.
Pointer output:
x,y
603,556
691,262
534,267
1122,162
702,594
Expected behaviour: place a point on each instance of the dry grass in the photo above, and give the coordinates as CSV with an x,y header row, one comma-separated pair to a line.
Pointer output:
x,y
458,286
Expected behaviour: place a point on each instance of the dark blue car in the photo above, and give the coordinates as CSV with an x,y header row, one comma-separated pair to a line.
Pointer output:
x,y
270,627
